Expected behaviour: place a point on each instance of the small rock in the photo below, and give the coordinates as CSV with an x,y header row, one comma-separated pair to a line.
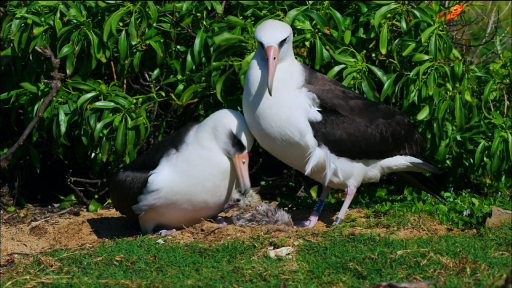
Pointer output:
x,y
498,216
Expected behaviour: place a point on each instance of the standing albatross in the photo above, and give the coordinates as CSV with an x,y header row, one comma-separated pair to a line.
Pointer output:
x,y
187,176
322,128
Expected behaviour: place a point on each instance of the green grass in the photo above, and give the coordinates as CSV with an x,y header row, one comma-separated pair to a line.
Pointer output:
x,y
324,259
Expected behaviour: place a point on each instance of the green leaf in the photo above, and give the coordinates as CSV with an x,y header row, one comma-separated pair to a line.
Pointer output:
x,y
420,57
449,46
30,87
115,20
31,17
121,139
409,49
104,104
384,39
189,63
382,12
332,73
94,206
218,86
85,98
153,12
479,153
100,125
70,64
123,47
62,121
495,145
187,95
234,21
348,36
349,71
292,14
510,144
136,61
136,122
343,58
198,45
368,88
339,21
432,47
458,68
37,31
426,33
226,38
459,114
105,148
382,76
66,50
68,201
319,19
132,29
423,113
319,56
388,87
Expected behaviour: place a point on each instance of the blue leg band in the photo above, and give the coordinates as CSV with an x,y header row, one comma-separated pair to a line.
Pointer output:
x,y
319,206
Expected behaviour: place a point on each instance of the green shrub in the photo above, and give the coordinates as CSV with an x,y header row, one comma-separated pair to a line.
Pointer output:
x,y
134,69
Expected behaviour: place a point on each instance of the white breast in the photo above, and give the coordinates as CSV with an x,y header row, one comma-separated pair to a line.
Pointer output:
x,y
187,186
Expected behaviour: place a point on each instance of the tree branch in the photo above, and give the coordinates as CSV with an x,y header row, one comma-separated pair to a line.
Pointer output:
x,y
5,158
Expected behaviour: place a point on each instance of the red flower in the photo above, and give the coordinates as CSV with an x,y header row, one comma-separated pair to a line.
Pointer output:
x,y
456,10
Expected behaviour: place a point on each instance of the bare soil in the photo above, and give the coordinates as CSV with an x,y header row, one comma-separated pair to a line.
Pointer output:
x,y
79,229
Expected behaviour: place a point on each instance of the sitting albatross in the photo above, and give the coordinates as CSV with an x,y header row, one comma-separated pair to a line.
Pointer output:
x,y
322,128
187,176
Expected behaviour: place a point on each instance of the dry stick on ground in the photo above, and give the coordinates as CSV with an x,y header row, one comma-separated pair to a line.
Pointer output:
x,y
5,158
68,181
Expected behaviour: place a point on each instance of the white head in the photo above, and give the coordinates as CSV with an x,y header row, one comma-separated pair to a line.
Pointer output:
x,y
233,137
275,43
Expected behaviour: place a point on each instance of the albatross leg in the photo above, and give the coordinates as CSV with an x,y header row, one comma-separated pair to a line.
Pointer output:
x,y
351,191
318,208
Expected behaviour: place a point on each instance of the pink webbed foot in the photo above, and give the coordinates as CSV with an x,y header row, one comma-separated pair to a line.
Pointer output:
x,y
164,232
308,223
224,221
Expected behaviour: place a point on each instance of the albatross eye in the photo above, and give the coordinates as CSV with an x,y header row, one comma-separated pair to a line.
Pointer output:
x,y
281,44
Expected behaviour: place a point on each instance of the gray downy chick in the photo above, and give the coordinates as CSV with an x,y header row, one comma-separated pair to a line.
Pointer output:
x,y
252,212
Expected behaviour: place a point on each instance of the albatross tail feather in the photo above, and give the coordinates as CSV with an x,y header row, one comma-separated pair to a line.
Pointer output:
x,y
421,181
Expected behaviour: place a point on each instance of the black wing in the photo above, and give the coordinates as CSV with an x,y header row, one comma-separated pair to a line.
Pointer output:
x,y
127,184
355,127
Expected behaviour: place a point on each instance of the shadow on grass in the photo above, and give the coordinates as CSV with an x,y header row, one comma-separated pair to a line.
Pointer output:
x,y
114,227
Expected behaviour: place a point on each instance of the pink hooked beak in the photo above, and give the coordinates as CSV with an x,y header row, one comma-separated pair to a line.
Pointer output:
x,y
273,60
241,162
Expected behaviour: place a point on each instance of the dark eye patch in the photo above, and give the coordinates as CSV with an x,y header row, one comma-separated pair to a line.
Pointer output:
x,y
281,44
237,144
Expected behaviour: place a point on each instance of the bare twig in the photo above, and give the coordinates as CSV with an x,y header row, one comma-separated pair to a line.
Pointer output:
x,y
5,158
256,167
87,180
68,181
186,28
171,31
506,104
113,71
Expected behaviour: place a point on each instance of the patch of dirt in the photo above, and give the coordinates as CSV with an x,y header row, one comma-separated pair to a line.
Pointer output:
x,y
89,229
